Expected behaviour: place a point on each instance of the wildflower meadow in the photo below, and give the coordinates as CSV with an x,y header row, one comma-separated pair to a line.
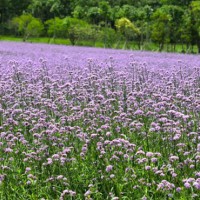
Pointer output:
x,y
98,124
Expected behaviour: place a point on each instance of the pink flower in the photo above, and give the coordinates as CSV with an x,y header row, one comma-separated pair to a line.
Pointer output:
x,y
187,185
49,161
196,185
109,168
154,160
147,167
27,169
149,154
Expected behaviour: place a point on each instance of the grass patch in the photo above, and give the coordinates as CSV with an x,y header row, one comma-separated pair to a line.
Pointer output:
x,y
119,45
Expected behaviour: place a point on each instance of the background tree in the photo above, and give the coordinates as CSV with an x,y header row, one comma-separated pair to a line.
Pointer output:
x,y
130,12
195,23
175,14
186,30
142,21
105,12
127,29
56,27
79,12
116,13
75,28
11,8
108,36
4,13
90,33
18,7
45,9
165,22
26,25
94,15
160,27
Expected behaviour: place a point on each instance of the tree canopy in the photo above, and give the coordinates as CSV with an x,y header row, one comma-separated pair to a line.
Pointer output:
x,y
165,22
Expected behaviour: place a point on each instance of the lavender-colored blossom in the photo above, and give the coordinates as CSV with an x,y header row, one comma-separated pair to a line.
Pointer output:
x,y
196,184
87,193
99,115
154,160
147,167
109,168
2,176
187,185
66,193
28,169
165,185
149,154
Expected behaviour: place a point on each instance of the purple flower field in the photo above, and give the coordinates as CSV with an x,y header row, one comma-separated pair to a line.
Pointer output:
x,y
87,123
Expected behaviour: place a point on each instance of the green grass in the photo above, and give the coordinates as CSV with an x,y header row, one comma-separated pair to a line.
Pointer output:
x,y
120,45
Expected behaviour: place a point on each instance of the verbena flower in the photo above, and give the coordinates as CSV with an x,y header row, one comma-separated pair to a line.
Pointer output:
x,y
109,168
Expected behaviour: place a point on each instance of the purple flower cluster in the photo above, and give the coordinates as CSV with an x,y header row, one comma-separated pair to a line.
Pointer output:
x,y
94,123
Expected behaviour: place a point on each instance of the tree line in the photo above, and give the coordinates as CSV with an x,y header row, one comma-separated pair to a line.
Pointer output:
x,y
164,22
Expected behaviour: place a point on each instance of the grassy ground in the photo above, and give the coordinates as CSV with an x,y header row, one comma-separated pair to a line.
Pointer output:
x,y
120,45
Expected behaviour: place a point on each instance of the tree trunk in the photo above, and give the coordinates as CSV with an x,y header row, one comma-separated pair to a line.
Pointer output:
x,y
183,50
187,47
192,49
141,42
167,47
139,45
125,44
174,47
161,46
198,46
25,37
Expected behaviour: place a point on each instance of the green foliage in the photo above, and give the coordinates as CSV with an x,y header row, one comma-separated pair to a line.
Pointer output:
x,y
12,8
76,29
94,15
161,21
105,11
27,26
127,28
70,22
195,13
130,12
117,13
195,21
108,36
79,12
186,28
166,26
56,27
47,9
